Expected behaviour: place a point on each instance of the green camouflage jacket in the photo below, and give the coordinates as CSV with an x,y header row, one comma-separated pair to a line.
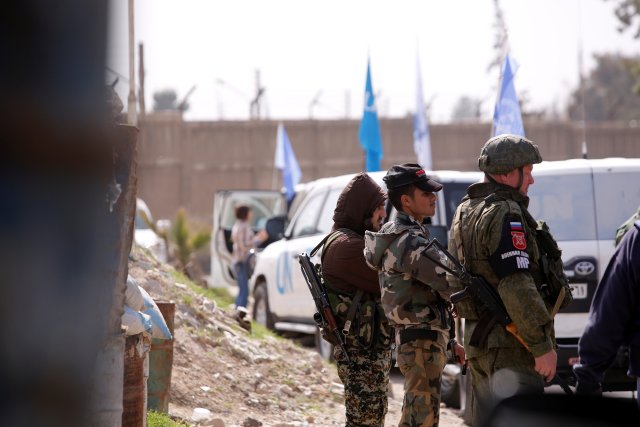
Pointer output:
x,y
495,238
410,282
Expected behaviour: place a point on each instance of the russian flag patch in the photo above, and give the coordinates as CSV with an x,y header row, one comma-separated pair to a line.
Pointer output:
x,y
516,226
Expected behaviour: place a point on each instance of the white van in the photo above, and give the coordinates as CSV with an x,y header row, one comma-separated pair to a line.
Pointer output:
x,y
584,201
282,300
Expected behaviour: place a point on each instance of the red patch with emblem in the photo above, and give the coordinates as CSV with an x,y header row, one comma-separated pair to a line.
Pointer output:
x,y
420,172
518,239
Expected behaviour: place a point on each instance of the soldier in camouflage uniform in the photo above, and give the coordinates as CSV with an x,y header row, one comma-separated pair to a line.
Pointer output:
x,y
412,292
355,297
494,236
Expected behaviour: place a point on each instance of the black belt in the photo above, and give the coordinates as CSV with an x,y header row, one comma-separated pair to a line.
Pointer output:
x,y
413,334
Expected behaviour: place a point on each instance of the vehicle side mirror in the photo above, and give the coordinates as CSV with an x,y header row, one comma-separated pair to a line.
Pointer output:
x,y
439,232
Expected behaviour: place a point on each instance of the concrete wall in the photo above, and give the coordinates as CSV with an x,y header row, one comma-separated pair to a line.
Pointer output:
x,y
184,163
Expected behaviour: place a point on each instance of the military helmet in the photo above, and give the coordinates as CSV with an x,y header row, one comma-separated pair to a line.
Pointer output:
x,y
504,153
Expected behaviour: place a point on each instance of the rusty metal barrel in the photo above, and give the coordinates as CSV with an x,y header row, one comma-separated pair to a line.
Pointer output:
x,y
133,410
161,363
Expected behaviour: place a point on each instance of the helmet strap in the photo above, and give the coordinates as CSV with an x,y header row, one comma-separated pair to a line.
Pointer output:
x,y
521,178
490,178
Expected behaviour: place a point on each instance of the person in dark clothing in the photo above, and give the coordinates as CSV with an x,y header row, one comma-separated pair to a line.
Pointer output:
x,y
354,293
614,318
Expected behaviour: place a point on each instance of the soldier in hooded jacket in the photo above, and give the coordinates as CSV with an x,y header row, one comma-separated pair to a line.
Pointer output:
x,y
495,237
355,298
414,292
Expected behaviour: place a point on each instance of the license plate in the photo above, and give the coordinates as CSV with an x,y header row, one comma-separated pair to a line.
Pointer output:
x,y
578,290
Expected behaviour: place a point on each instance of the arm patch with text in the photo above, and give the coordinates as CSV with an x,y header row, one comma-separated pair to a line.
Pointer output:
x,y
511,255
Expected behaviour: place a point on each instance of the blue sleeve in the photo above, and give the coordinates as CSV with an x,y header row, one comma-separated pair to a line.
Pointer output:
x,y
613,317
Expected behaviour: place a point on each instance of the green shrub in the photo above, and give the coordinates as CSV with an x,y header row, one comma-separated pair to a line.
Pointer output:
x,y
185,241
157,419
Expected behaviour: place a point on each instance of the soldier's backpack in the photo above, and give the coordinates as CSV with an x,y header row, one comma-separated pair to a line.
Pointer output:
x,y
362,319
346,322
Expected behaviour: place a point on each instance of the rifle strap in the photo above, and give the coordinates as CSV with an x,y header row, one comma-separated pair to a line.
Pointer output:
x,y
459,236
352,312
556,306
327,239
481,332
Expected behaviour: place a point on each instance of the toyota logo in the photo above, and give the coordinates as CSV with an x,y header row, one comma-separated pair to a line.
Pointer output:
x,y
584,268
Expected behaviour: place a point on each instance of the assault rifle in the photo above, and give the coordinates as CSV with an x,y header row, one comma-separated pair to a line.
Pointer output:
x,y
478,288
324,317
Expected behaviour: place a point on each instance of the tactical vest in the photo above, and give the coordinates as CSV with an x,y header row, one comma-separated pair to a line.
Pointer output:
x,y
545,265
360,317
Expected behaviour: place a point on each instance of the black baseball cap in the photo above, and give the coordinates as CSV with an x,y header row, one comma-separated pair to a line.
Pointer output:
x,y
410,173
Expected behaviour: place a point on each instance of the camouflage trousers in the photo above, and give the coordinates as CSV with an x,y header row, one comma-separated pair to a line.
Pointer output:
x,y
366,384
498,374
421,362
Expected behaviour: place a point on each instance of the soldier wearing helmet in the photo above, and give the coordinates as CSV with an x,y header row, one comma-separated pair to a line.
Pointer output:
x,y
495,237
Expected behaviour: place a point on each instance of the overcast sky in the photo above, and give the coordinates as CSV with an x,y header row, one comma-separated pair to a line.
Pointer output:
x,y
303,48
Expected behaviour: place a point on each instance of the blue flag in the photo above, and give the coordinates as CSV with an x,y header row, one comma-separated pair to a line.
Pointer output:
x,y
421,139
370,139
285,160
507,117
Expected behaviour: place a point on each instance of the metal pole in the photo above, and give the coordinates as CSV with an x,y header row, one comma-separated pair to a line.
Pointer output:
x,y
257,101
583,112
143,108
132,117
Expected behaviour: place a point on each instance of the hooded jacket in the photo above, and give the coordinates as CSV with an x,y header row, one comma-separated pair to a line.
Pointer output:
x,y
343,265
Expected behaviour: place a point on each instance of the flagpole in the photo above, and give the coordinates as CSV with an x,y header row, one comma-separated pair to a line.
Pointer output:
x,y
369,133
274,169
273,178
583,112
505,51
421,137
285,161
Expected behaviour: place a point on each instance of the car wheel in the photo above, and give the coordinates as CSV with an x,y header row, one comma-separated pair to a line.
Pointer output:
x,y
324,347
450,386
261,312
